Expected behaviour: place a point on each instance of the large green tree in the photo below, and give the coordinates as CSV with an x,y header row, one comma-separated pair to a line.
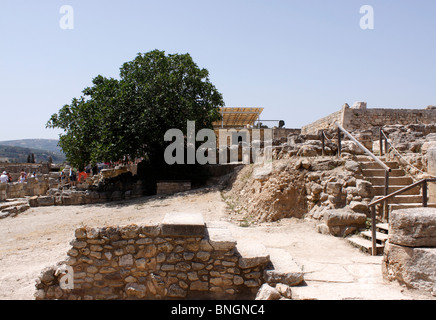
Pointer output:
x,y
127,118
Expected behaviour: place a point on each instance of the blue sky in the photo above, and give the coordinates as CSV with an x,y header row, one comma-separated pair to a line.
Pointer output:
x,y
300,60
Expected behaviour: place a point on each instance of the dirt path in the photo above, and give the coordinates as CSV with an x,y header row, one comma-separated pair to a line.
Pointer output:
x,y
333,270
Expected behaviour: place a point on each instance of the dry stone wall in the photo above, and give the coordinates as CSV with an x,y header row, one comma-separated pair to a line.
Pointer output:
x,y
177,259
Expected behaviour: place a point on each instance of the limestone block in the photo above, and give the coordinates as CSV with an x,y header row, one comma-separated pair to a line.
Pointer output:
x,y
359,105
413,267
343,221
352,166
283,269
358,206
252,254
266,292
46,201
364,188
413,227
221,239
431,160
183,224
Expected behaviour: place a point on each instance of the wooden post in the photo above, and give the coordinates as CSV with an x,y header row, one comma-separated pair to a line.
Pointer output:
x,y
373,231
386,192
424,193
339,142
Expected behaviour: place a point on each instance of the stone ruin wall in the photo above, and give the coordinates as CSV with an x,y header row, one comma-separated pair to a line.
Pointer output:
x,y
323,123
363,119
171,187
165,261
15,168
33,187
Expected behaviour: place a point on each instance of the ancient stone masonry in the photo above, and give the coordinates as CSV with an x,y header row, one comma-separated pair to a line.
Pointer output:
x,y
410,255
14,169
358,117
171,187
413,142
180,258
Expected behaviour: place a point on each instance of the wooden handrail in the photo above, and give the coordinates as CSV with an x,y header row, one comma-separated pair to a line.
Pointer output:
x,y
396,193
423,182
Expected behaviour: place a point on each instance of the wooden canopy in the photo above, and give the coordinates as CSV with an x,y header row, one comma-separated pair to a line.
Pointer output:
x,y
237,117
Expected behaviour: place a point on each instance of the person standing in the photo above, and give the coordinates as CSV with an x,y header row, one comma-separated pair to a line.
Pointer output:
x,y
4,177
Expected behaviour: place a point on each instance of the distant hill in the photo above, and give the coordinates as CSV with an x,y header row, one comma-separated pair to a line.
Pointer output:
x,y
19,150
41,144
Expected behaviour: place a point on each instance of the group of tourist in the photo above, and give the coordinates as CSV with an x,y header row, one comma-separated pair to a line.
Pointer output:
x,y
72,177
6,177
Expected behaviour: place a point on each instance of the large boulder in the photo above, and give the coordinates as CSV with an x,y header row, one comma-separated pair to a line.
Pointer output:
x,y
364,188
342,222
266,292
352,166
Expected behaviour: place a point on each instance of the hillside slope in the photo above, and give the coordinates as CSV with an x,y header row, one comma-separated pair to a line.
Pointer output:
x,y
42,150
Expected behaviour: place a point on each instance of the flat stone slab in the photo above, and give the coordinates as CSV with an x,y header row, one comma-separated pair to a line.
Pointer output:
x,y
183,224
284,269
221,238
252,253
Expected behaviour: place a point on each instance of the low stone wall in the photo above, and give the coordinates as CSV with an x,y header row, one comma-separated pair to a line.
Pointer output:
x,y
177,259
56,197
171,187
15,168
410,254
32,187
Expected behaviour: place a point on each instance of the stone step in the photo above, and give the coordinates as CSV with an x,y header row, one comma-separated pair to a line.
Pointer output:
x,y
382,227
379,190
398,206
220,237
282,269
403,199
397,181
9,204
183,224
382,172
375,165
380,237
365,158
364,244
252,254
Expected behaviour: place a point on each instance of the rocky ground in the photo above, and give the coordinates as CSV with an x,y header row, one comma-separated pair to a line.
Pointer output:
x,y
333,269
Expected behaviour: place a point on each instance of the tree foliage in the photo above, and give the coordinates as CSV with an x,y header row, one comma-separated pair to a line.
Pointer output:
x,y
127,118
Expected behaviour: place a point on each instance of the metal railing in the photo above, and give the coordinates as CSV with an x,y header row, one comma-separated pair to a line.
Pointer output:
x,y
385,140
369,153
372,205
384,200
